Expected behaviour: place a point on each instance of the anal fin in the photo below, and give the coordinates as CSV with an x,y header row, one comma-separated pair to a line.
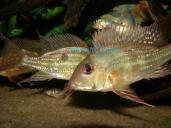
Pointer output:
x,y
39,76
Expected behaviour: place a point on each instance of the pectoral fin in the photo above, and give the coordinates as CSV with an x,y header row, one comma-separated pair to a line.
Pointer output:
x,y
131,95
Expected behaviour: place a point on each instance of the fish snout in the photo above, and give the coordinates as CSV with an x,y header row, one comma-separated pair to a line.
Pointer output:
x,y
81,86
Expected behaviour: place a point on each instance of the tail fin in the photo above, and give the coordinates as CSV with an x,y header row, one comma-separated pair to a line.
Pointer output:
x,y
10,56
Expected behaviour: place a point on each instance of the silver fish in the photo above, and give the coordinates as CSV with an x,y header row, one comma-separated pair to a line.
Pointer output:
x,y
122,59
60,56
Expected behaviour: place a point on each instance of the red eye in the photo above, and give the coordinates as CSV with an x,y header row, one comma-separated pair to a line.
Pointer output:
x,y
87,68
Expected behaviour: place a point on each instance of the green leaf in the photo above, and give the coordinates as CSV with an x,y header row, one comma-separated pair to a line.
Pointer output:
x,y
2,27
38,12
88,28
51,13
168,10
47,13
88,40
12,23
16,32
56,31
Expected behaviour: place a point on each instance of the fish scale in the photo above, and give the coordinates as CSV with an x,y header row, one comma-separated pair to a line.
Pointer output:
x,y
53,64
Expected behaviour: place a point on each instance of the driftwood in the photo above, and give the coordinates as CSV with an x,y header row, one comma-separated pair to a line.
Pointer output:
x,y
73,13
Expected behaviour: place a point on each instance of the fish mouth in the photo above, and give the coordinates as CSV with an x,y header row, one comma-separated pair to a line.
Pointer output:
x,y
78,87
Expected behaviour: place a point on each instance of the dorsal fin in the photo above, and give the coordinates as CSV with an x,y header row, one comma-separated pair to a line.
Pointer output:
x,y
61,41
119,35
9,47
29,45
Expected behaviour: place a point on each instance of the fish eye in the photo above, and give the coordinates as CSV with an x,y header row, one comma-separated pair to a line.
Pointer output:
x,y
87,68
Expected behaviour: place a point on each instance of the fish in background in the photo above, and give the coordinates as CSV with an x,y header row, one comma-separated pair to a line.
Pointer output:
x,y
57,58
17,74
126,14
122,58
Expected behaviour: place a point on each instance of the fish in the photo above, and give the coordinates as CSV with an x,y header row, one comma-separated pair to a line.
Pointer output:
x,y
126,14
16,74
58,57
121,59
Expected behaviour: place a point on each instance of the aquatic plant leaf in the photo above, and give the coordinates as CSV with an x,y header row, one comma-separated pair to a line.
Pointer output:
x,y
16,32
56,31
88,40
168,10
88,28
12,23
20,7
51,13
39,12
2,26
47,13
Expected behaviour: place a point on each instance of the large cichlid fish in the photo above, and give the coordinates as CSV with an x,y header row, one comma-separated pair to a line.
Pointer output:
x,y
59,57
122,58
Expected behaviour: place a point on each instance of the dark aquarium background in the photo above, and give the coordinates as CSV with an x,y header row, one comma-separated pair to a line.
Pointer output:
x,y
29,106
